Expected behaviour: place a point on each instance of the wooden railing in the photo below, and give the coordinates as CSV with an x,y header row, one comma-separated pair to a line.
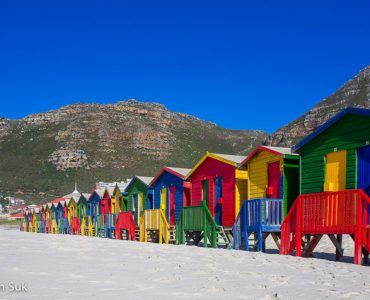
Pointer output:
x,y
47,226
54,226
75,226
343,212
257,216
86,226
155,219
60,225
125,221
66,226
164,228
107,225
197,218
99,225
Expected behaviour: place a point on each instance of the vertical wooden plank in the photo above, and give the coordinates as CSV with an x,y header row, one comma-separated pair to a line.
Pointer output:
x,y
358,241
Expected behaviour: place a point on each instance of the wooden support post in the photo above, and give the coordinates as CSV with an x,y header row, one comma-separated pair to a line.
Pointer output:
x,y
366,255
358,230
245,223
308,249
160,234
265,236
205,229
298,233
276,239
338,245
183,232
260,239
214,237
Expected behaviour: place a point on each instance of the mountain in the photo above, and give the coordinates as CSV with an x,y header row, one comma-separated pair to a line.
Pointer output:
x,y
355,93
43,155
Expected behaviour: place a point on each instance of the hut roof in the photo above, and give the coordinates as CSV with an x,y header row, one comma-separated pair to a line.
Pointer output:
x,y
179,172
230,159
279,151
330,122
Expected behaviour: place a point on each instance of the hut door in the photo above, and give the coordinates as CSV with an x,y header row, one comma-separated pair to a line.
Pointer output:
x,y
124,203
150,200
135,207
205,191
273,181
218,200
363,169
335,177
172,205
140,203
103,207
187,196
164,200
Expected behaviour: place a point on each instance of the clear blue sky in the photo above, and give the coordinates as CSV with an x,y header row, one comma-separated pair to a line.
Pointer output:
x,y
241,64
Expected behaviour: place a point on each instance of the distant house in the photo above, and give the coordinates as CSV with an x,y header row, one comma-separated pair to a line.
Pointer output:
x,y
14,201
111,185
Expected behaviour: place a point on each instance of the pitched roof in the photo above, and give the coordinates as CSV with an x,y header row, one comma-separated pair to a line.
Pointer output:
x,y
100,192
282,150
144,179
86,195
233,160
330,122
279,151
179,172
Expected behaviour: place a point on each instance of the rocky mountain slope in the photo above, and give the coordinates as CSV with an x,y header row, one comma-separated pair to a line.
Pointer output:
x,y
355,93
42,155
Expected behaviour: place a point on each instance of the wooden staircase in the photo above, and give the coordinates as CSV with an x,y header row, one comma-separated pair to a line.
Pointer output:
x,y
258,218
197,224
222,239
172,235
155,228
330,213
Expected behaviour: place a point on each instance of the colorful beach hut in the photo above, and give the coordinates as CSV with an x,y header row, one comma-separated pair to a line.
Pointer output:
x,y
116,199
83,217
43,218
116,207
25,226
60,215
95,212
273,186
334,186
106,207
30,221
217,190
53,218
139,196
72,206
36,219
47,218
125,223
171,192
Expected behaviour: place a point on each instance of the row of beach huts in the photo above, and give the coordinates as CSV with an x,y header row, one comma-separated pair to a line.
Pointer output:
x,y
321,186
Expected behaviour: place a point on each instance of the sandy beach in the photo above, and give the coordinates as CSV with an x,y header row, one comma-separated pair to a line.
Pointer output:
x,y
70,267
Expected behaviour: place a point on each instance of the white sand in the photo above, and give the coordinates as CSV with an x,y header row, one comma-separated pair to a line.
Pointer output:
x,y
70,267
